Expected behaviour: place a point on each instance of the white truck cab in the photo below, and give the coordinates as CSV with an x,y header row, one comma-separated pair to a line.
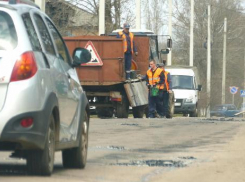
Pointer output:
x,y
185,85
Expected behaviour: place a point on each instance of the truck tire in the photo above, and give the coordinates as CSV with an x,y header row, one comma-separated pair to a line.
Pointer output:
x,y
41,162
138,112
105,112
77,157
122,108
170,111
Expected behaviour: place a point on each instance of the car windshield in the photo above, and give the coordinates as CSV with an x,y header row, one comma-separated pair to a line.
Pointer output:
x,y
182,82
8,36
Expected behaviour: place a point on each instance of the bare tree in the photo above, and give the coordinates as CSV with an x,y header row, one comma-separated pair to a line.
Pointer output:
x,y
232,9
155,15
116,12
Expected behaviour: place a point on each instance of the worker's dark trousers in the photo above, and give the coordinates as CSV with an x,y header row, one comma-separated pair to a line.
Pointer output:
x,y
155,104
128,61
165,102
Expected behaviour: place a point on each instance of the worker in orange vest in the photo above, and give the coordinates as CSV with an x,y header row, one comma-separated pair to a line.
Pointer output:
x,y
128,47
167,89
155,79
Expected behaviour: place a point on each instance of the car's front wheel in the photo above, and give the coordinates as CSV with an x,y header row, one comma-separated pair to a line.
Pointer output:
x,y
77,157
41,162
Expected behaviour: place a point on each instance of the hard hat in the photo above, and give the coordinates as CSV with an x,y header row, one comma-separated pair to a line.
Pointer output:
x,y
126,25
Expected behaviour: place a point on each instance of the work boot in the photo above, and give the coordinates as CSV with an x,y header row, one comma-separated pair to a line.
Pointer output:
x,y
127,75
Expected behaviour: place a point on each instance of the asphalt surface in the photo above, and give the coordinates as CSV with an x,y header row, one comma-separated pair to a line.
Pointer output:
x,y
138,150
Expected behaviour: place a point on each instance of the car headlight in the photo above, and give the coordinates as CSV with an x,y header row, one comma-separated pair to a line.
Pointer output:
x,y
190,100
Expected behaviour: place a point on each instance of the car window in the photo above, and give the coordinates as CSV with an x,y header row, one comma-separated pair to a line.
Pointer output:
x,y
194,83
59,42
8,36
231,108
31,32
46,39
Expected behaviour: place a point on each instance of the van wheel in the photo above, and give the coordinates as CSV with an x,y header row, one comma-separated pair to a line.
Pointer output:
x,y
77,157
170,111
194,113
41,162
138,112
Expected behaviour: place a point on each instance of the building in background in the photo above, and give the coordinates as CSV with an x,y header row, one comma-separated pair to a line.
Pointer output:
x,y
72,20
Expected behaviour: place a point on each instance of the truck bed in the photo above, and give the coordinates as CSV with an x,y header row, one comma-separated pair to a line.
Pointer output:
x,y
110,50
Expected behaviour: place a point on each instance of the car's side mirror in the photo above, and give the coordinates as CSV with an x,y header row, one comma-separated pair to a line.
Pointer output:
x,y
169,43
199,88
80,56
164,51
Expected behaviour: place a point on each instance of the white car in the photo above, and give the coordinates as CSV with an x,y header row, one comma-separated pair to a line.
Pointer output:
x,y
43,107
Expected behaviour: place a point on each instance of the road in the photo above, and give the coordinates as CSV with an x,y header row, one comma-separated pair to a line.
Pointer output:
x,y
155,150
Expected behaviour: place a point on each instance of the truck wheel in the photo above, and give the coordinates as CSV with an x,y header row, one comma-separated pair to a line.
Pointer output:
x,y
41,162
170,111
123,108
77,157
138,112
105,112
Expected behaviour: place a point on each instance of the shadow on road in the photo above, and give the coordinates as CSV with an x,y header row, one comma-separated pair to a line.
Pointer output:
x,y
21,169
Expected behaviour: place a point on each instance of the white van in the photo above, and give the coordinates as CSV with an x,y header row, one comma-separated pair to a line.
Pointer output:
x,y
185,84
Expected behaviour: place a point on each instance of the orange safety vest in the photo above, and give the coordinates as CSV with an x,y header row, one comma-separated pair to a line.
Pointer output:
x,y
155,77
166,80
165,86
125,44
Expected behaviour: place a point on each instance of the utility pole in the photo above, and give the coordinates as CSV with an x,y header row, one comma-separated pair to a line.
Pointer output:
x,y
102,17
244,83
138,14
192,34
209,63
169,61
41,4
224,63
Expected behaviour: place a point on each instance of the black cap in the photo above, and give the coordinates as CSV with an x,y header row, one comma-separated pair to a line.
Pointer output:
x,y
160,64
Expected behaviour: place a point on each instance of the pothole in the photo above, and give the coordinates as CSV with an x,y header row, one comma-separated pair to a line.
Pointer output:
x,y
153,163
116,148
187,158
127,124
12,170
111,147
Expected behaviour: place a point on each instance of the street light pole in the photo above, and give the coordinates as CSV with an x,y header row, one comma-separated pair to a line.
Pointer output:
x,y
224,63
209,63
102,17
169,61
191,33
41,4
244,77
138,14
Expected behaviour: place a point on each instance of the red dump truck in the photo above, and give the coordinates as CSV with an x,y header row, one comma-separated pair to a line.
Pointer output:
x,y
103,78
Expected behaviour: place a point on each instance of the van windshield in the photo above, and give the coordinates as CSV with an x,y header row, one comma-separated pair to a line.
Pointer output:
x,y
8,37
182,82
